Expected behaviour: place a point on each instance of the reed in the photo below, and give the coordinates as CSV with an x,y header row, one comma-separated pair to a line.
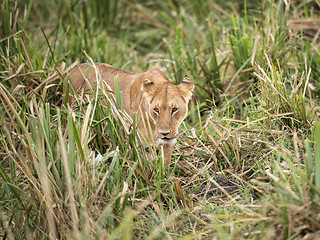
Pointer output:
x,y
246,164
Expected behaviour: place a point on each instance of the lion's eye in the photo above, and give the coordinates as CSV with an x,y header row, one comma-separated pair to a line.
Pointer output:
x,y
174,110
156,110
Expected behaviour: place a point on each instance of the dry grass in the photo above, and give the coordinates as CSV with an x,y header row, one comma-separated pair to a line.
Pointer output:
x,y
247,162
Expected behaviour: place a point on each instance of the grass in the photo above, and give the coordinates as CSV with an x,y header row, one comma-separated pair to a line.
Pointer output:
x,y
247,163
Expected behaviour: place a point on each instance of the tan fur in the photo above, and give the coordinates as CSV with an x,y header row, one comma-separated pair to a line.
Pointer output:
x,y
150,94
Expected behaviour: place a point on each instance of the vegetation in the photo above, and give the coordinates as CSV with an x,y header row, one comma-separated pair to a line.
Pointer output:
x,y
247,165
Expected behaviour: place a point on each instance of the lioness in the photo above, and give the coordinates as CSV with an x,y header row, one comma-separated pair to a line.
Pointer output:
x,y
150,94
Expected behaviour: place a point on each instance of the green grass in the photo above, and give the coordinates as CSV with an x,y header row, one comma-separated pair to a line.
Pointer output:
x,y
247,163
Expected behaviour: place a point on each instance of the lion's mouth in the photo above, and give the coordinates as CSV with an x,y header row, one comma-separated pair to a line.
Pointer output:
x,y
167,140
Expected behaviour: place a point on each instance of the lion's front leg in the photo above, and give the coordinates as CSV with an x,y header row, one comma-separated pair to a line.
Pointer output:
x,y
167,153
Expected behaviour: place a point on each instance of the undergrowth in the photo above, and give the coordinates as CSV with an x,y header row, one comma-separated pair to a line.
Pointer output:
x,y
247,163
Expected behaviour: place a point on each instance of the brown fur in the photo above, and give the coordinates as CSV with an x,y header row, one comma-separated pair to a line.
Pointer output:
x,y
150,94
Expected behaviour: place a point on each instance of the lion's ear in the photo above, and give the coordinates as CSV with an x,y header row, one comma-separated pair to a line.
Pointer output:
x,y
186,87
149,86
140,85
155,70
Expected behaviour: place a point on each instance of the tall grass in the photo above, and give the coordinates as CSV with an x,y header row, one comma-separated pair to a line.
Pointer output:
x,y
246,164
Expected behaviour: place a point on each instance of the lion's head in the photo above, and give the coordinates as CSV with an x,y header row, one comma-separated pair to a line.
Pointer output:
x,y
166,104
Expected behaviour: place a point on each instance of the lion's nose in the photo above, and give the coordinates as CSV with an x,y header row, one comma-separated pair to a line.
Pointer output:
x,y
165,133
